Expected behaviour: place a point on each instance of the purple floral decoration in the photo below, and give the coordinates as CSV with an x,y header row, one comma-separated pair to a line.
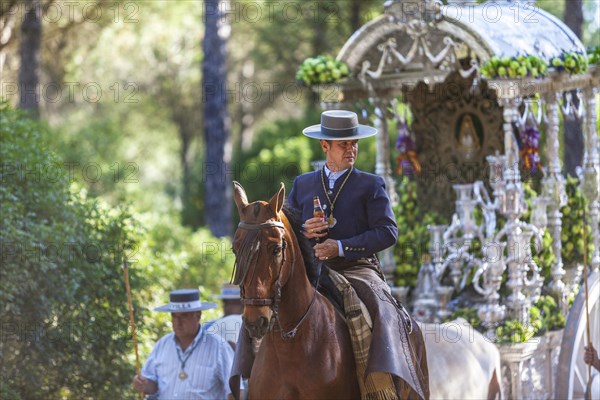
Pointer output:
x,y
408,164
530,139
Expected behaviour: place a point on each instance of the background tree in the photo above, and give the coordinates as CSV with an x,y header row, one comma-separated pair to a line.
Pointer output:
x,y
60,283
217,186
31,36
573,140
8,21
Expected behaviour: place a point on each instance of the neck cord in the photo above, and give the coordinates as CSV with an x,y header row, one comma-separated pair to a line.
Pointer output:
x,y
190,353
332,203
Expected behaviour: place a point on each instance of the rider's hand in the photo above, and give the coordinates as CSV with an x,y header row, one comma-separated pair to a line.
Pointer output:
x,y
326,250
315,228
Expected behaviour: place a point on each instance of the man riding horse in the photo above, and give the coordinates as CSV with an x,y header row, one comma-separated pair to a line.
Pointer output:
x,y
359,223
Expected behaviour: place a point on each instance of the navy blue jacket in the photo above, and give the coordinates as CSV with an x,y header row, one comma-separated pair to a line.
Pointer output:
x,y
365,220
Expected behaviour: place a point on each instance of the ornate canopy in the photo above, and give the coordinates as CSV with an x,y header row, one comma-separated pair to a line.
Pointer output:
x,y
429,55
424,41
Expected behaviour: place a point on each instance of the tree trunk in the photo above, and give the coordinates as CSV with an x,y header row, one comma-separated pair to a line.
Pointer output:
x,y
573,16
573,158
216,170
31,36
247,109
355,15
185,124
320,29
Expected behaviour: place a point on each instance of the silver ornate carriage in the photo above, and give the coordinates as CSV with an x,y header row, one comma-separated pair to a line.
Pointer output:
x,y
430,56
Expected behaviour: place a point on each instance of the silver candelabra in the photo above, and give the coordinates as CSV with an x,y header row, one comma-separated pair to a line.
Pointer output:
x,y
506,249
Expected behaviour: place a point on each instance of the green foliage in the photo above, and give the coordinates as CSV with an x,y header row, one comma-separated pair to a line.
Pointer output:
x,y
61,280
150,105
279,153
514,67
594,56
7,393
321,69
514,332
171,257
468,314
544,316
543,256
546,310
413,236
571,62
572,225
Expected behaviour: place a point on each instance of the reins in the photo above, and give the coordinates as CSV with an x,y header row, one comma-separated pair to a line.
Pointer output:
x,y
276,299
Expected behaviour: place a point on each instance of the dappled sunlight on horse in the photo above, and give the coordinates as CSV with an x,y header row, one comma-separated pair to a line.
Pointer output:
x,y
306,349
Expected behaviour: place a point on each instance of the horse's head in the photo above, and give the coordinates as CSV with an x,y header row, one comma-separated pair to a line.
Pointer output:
x,y
260,249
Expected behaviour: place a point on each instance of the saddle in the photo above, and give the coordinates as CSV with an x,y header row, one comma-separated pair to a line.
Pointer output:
x,y
333,282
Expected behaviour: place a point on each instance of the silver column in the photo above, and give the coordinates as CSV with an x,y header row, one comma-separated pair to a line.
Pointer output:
x,y
383,168
554,190
591,171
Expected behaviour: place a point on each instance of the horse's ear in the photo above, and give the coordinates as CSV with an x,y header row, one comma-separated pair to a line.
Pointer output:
x,y
239,195
276,201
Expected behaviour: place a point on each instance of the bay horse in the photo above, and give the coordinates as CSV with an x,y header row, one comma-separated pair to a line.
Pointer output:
x,y
306,350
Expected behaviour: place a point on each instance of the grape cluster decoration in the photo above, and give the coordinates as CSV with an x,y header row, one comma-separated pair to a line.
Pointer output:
x,y
571,62
514,67
321,69
594,56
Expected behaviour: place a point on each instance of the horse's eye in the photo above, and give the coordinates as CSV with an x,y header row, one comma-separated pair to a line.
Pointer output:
x,y
277,250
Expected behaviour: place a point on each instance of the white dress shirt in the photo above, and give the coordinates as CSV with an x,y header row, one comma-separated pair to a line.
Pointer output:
x,y
332,177
207,368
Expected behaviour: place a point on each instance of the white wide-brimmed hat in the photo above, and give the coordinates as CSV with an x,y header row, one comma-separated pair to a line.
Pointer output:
x,y
339,125
228,292
185,300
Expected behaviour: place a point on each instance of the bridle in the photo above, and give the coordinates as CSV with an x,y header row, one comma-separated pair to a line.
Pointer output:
x,y
276,299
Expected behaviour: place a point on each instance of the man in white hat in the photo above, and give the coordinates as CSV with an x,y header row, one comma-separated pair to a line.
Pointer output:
x,y
230,296
187,363
228,326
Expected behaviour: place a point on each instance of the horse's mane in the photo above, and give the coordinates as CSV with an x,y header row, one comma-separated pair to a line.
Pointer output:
x,y
294,217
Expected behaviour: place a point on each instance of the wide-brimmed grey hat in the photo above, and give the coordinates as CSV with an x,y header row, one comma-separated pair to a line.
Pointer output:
x,y
339,125
228,292
185,300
